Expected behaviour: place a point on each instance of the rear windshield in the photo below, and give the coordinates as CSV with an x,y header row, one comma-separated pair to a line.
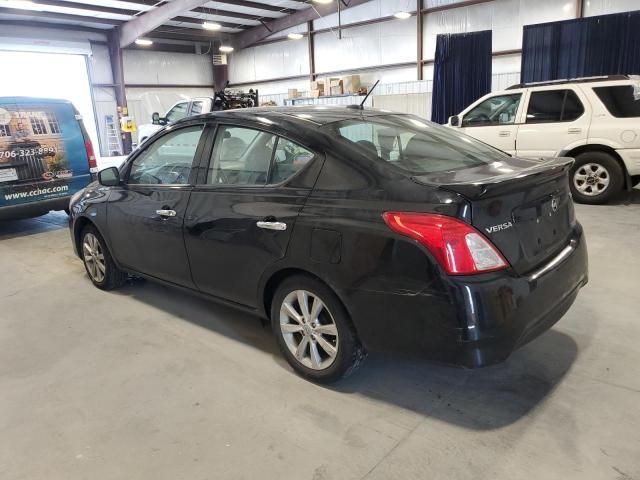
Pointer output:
x,y
414,145
622,101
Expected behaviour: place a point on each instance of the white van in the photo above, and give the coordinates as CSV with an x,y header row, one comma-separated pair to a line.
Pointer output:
x,y
595,120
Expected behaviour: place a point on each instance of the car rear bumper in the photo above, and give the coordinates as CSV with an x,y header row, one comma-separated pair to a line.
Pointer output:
x,y
481,319
34,209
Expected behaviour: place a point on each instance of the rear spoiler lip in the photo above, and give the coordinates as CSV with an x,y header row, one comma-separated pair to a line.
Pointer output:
x,y
501,184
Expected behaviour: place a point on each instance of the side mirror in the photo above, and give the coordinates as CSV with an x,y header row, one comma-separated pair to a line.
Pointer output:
x,y
109,177
454,121
155,118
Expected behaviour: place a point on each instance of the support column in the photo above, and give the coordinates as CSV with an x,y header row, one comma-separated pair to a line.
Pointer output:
x,y
312,49
420,35
117,70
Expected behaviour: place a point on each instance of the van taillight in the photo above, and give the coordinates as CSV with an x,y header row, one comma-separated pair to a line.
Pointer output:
x,y
458,247
90,155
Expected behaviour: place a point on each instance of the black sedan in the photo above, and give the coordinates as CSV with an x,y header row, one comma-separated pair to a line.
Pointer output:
x,y
350,229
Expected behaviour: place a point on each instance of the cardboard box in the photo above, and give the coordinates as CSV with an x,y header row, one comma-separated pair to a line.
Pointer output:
x,y
318,85
351,83
336,86
293,93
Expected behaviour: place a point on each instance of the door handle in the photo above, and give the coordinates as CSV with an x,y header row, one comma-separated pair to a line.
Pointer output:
x,y
575,130
166,213
278,226
504,133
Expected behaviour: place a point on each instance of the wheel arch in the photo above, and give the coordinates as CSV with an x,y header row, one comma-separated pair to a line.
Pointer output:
x,y
277,277
601,148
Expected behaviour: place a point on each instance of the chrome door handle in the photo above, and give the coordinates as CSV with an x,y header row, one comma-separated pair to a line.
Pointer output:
x,y
504,134
166,213
279,226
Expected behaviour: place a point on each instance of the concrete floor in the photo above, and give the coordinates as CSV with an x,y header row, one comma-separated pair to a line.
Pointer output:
x,y
151,383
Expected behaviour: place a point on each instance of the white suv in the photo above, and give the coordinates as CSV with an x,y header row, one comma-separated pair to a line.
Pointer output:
x,y
594,120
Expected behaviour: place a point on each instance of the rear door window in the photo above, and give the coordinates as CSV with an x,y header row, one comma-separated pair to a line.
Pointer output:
x,y
548,106
621,101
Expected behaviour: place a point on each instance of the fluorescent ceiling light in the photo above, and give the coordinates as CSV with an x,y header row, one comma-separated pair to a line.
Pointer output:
x,y
295,36
211,26
145,42
226,49
322,1
22,4
402,15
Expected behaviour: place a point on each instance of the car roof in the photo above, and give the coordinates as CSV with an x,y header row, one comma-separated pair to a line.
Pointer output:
x,y
605,78
304,115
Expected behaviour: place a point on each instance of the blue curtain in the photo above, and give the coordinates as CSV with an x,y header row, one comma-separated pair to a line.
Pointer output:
x,y
462,72
584,47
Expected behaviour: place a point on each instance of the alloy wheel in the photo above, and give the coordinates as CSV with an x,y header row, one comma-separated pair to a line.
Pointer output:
x,y
93,257
591,179
309,329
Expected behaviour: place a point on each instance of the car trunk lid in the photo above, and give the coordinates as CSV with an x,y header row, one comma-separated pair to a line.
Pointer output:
x,y
523,206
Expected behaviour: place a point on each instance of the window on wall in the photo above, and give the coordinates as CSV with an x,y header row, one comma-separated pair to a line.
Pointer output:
x,y
5,131
37,125
54,127
554,106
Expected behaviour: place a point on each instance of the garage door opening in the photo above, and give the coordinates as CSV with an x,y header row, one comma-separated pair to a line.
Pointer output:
x,y
50,75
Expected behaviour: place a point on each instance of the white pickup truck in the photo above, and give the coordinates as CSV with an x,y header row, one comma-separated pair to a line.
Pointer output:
x,y
182,109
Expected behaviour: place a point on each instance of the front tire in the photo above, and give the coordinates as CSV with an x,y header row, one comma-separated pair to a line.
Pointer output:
x,y
595,178
98,262
314,331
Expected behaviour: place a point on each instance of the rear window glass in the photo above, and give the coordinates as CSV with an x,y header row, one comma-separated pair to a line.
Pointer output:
x,y
554,106
621,101
415,145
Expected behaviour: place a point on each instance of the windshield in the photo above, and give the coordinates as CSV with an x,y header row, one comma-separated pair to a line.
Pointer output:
x,y
415,145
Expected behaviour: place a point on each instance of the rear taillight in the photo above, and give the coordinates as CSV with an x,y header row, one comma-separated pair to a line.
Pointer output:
x,y
90,154
458,247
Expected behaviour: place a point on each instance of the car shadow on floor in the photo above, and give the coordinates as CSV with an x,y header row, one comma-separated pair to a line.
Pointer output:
x,y
480,399
32,226
631,197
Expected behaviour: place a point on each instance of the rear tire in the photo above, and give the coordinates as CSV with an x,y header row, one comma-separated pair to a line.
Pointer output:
x,y
98,262
595,178
317,340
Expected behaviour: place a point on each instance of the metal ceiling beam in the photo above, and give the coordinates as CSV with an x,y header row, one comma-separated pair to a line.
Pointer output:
x,y
227,13
55,26
258,33
259,6
58,16
143,24
190,35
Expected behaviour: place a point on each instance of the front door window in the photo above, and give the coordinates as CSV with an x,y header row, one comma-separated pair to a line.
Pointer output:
x,y
500,110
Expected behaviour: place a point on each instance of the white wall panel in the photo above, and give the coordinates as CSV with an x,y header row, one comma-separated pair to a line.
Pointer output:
x,y
505,18
281,59
162,68
602,7
440,3
367,46
366,11
100,64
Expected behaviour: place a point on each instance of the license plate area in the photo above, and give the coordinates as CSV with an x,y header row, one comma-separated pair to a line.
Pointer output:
x,y
544,224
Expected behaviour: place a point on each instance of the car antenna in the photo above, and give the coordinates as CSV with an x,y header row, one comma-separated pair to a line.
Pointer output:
x,y
361,106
